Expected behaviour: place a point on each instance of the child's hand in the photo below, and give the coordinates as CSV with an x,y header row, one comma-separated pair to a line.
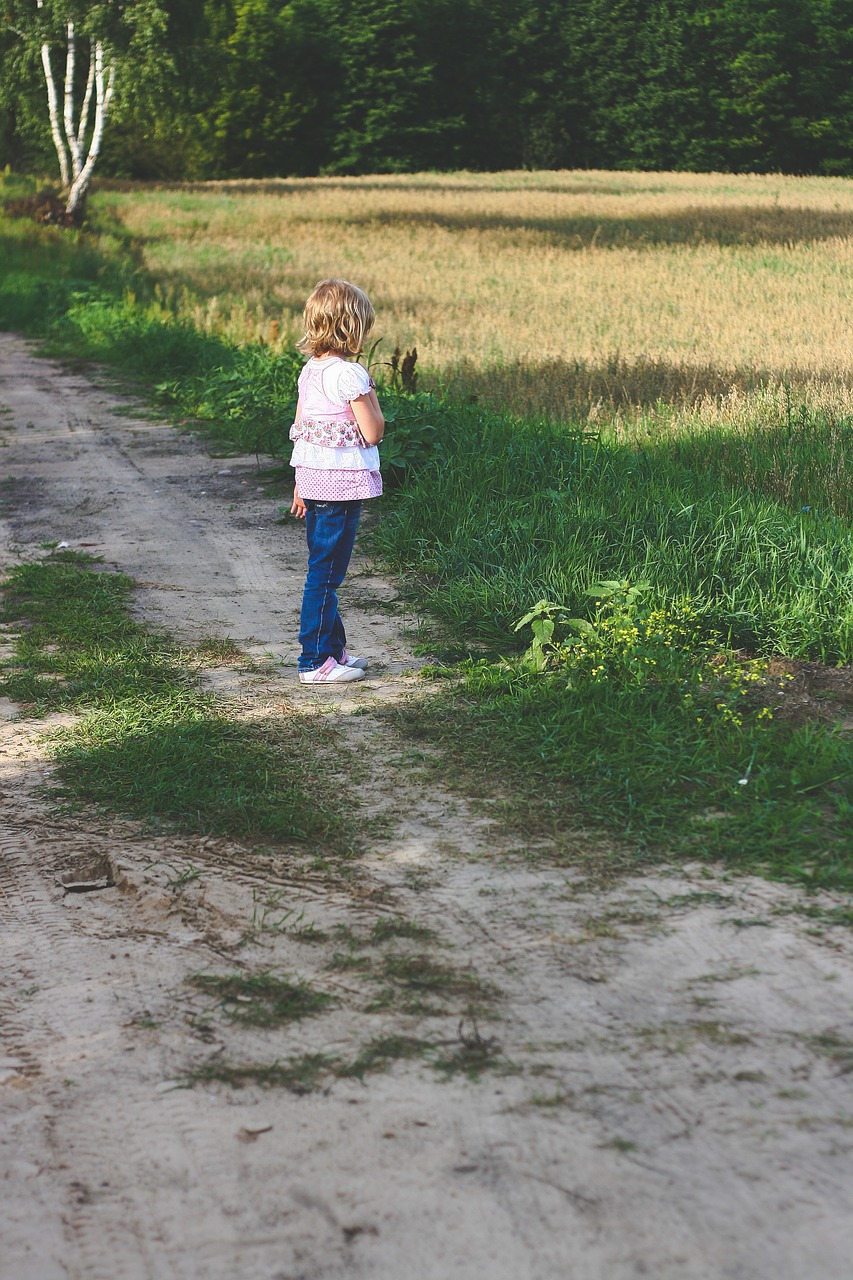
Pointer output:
x,y
298,507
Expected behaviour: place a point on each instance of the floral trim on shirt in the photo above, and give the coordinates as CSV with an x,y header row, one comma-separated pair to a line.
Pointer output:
x,y
334,435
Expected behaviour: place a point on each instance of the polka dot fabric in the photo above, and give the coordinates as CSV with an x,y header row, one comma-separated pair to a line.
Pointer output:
x,y
337,486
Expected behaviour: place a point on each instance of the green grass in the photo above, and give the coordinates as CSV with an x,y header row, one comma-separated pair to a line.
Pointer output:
x,y
419,984
381,1053
298,1075
399,927
147,742
822,917
789,452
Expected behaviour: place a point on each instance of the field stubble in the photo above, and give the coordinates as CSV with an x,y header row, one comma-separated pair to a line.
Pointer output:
x,y
649,302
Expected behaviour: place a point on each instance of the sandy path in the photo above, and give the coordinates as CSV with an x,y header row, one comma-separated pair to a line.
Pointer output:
x,y
670,1090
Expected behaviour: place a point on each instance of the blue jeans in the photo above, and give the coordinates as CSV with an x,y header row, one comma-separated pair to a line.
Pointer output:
x,y
331,529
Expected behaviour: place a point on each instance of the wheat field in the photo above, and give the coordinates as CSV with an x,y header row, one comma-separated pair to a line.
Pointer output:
x,y
620,297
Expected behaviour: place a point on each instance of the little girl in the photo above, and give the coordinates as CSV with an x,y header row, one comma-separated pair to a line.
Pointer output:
x,y
338,426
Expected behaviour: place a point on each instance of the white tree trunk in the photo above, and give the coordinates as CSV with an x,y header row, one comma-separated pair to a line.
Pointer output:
x,y
104,85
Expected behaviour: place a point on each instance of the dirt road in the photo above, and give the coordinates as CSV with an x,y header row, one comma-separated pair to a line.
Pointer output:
x,y
664,1070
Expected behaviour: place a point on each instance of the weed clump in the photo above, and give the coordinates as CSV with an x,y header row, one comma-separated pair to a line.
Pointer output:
x,y
261,999
419,984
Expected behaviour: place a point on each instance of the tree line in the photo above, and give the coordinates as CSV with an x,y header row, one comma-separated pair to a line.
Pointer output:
x,y
260,88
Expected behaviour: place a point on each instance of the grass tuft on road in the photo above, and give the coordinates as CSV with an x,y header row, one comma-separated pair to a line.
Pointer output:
x,y
261,999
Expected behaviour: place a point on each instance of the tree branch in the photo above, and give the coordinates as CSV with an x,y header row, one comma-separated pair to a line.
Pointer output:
x,y
53,110
83,122
70,133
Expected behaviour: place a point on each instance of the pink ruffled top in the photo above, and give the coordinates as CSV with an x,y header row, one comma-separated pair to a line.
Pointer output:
x,y
332,460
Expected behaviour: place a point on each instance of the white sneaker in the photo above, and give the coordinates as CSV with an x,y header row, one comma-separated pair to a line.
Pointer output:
x,y
349,660
331,672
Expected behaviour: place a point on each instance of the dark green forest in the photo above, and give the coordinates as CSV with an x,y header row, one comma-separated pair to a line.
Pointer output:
x,y
260,88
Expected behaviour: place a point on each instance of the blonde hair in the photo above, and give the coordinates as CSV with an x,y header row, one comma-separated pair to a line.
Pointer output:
x,y
338,316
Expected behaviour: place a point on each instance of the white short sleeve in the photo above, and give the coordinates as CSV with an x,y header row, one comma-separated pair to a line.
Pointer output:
x,y
353,380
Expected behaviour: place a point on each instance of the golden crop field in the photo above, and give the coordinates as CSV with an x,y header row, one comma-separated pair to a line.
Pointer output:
x,y
592,293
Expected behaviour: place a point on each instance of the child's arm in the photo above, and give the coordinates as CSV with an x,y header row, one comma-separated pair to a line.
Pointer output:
x,y
368,415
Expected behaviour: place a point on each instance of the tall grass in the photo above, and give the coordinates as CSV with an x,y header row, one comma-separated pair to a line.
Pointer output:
x,y
42,266
88,297
671,766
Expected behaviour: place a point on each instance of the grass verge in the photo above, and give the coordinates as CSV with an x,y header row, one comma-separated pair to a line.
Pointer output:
x,y
147,742
690,759
86,294
655,719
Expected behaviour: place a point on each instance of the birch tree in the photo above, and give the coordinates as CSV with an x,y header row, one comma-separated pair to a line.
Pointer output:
x,y
87,52
79,134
